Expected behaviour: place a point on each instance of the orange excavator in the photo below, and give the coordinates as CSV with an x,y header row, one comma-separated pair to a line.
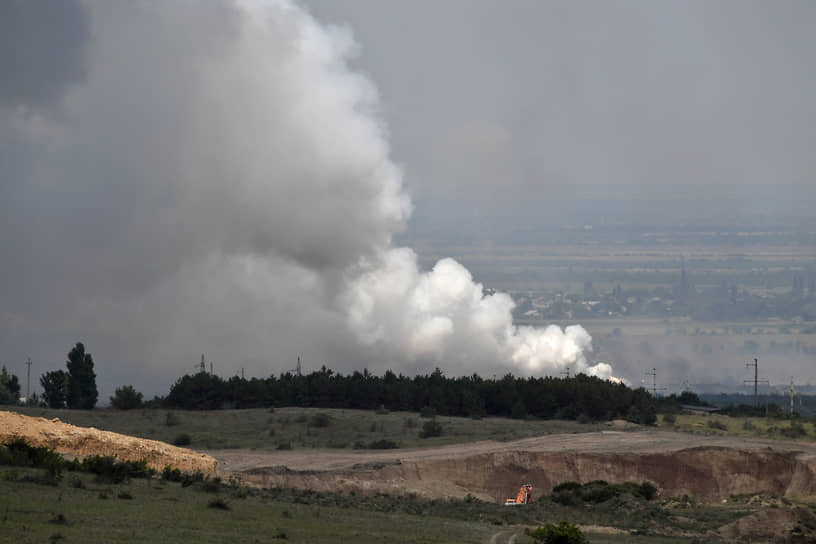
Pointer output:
x,y
525,496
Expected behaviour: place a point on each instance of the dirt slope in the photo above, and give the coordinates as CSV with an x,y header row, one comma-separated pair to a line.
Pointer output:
x,y
709,467
82,441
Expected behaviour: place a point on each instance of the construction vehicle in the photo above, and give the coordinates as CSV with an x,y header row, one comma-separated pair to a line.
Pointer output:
x,y
525,496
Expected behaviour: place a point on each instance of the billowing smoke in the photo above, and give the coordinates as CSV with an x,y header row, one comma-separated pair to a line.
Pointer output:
x,y
213,177
443,315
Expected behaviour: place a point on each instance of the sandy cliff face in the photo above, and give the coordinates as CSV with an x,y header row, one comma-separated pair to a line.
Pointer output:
x,y
82,441
710,473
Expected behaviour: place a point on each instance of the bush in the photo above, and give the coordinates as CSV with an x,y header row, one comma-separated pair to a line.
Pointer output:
x,y
218,503
717,424
669,419
108,469
18,452
748,426
599,491
182,439
563,533
320,420
427,412
648,491
383,445
171,419
795,430
430,429
171,474
211,486
190,478
126,398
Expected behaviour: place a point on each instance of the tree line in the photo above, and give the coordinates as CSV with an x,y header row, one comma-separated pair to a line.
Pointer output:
x,y
581,397
74,388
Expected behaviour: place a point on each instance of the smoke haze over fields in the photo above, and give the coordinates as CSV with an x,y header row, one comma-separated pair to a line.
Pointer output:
x,y
188,177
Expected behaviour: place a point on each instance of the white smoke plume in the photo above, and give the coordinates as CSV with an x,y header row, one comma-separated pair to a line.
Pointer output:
x,y
443,315
213,177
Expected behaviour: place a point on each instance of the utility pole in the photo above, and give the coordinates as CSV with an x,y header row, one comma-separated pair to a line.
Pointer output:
x,y
756,381
791,397
203,364
566,373
653,374
28,378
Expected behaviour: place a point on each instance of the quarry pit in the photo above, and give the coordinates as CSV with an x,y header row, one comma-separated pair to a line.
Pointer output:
x,y
711,468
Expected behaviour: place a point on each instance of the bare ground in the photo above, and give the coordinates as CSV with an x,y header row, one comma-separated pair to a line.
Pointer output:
x,y
709,467
84,441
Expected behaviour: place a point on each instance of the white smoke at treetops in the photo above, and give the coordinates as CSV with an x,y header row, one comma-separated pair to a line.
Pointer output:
x,y
443,315
214,177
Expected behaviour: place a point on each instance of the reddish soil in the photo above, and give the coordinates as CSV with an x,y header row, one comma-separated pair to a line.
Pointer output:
x,y
710,467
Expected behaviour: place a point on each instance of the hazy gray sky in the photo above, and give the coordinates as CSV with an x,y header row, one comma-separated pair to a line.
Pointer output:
x,y
486,96
178,178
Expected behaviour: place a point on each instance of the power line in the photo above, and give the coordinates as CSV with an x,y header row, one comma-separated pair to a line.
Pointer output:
x,y
655,388
296,370
756,380
28,378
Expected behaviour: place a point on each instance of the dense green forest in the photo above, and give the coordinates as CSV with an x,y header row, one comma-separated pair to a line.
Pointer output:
x,y
581,397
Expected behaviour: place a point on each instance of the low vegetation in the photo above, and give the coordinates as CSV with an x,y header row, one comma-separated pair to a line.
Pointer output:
x,y
598,491
563,533
293,428
781,428
209,510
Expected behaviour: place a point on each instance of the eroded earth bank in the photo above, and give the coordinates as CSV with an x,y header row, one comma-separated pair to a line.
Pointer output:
x,y
709,467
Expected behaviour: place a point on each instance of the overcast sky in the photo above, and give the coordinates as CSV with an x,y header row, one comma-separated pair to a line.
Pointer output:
x,y
178,178
486,96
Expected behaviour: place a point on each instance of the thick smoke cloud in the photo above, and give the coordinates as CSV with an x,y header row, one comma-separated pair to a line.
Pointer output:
x,y
443,315
212,177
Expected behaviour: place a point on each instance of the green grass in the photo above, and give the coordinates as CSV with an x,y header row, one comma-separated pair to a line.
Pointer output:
x,y
168,512
302,427
80,508
759,427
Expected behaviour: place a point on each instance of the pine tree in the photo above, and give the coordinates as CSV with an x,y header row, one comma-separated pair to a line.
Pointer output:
x,y
55,387
82,392
9,388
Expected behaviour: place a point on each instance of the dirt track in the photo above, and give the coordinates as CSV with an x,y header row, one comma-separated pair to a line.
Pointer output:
x,y
711,467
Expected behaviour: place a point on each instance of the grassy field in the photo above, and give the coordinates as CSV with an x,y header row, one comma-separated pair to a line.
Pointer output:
x,y
302,427
80,508
152,511
777,429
